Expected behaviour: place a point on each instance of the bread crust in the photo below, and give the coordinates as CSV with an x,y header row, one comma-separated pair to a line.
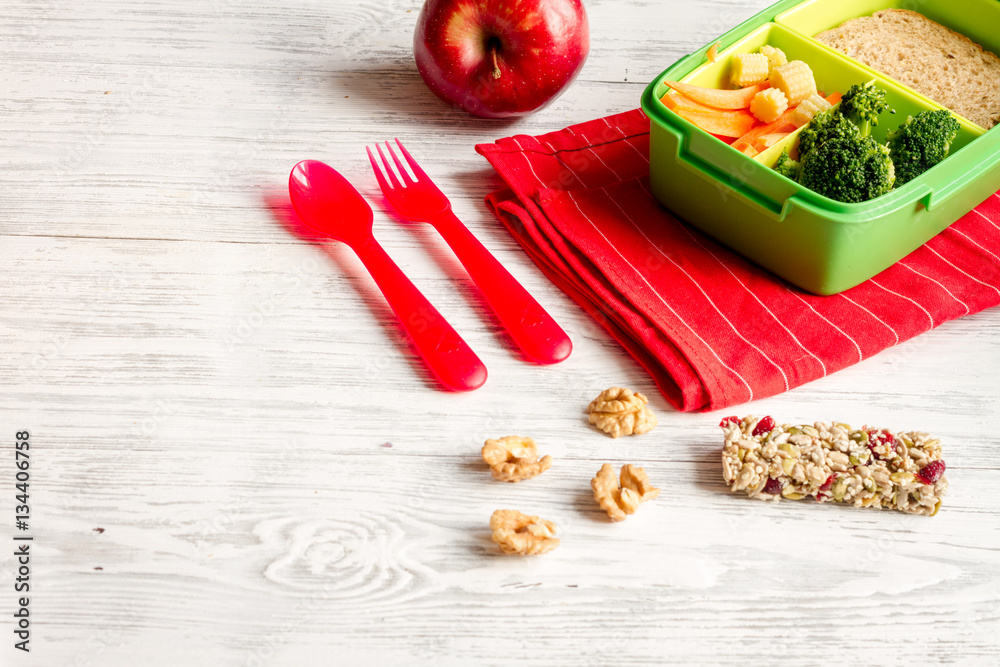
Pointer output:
x,y
938,62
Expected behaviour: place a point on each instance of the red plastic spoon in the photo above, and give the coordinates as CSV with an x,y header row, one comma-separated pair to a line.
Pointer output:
x,y
330,206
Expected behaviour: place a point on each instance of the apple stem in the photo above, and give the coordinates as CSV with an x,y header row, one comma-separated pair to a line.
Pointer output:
x,y
496,66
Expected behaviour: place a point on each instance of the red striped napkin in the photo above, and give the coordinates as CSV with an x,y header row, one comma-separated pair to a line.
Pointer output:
x,y
713,329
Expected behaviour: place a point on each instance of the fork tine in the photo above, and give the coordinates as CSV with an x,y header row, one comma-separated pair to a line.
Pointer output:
x,y
382,183
388,169
405,175
410,161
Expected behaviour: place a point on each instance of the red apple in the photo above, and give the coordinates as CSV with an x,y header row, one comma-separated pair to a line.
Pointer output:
x,y
500,58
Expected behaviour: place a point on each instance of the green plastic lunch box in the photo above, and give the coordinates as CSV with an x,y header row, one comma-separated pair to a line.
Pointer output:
x,y
814,242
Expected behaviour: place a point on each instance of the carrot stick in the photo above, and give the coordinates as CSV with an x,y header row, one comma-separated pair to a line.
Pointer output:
x,y
726,123
781,124
677,101
714,97
765,141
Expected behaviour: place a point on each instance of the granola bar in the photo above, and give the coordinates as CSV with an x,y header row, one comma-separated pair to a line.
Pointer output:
x,y
866,467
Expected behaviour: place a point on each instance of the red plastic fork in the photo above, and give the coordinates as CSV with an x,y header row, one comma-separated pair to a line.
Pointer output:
x,y
535,332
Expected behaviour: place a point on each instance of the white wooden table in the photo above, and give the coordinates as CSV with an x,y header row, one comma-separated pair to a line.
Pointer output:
x,y
237,461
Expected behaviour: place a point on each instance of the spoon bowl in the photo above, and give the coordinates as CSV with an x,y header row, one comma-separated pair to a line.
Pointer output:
x,y
324,199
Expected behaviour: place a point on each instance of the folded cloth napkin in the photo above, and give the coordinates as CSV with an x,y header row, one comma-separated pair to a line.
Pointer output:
x,y
712,328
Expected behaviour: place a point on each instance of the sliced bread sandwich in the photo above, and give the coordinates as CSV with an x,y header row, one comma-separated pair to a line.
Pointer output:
x,y
945,66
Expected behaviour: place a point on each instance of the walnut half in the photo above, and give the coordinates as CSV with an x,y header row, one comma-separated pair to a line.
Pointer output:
x,y
522,534
617,501
513,458
619,411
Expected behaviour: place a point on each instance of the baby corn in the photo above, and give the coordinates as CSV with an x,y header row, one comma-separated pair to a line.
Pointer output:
x,y
748,69
807,109
768,104
795,80
775,56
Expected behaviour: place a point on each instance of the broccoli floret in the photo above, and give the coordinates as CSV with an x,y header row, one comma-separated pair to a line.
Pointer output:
x,y
848,169
830,124
854,117
921,142
862,105
839,158
786,166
